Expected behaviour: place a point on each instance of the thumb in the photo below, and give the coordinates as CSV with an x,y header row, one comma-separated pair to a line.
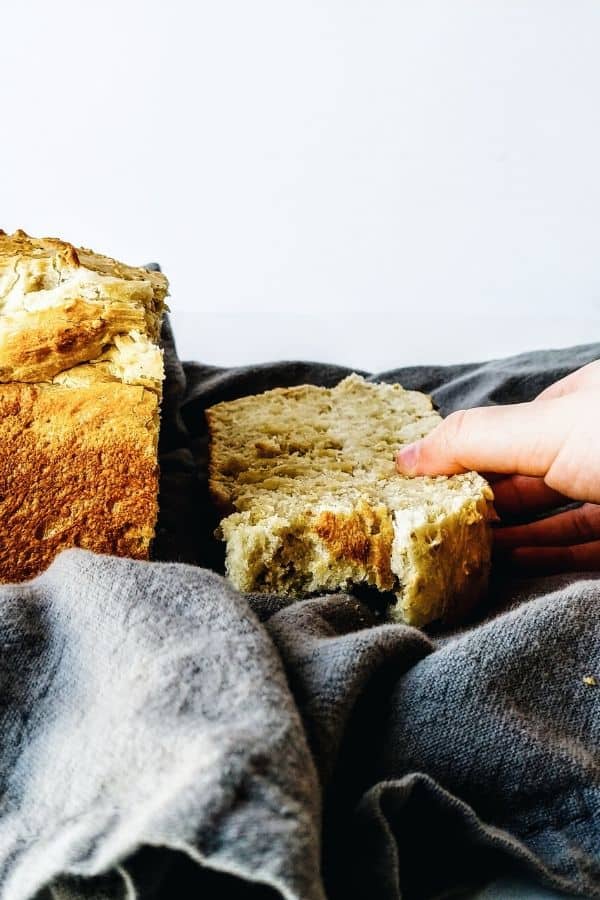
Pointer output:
x,y
586,377
523,439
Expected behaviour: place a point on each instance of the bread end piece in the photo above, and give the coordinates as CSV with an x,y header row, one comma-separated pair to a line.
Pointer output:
x,y
81,374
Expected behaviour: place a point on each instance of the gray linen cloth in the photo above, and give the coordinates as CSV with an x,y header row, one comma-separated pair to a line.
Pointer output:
x,y
165,737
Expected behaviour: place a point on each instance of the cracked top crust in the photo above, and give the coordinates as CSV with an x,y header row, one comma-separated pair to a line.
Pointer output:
x,y
70,315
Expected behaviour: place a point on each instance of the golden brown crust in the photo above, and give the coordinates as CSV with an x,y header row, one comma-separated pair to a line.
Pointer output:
x,y
80,385
363,536
57,339
77,468
61,306
54,254
219,493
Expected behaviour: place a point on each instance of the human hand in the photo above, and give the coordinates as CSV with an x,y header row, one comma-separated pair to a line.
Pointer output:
x,y
539,456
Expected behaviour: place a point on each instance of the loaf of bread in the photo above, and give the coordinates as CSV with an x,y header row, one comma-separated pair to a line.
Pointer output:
x,y
81,376
305,480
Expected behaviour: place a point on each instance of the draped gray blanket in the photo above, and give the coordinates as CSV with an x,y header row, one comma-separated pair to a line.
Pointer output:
x,y
163,736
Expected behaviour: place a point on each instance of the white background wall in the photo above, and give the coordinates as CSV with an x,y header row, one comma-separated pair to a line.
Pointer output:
x,y
370,182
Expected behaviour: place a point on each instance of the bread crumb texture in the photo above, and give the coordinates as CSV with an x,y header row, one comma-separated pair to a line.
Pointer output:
x,y
311,501
81,377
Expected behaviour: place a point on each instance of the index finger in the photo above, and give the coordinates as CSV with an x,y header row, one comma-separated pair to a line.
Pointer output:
x,y
518,495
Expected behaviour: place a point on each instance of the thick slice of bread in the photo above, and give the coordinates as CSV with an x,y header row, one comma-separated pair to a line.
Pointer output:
x,y
81,377
306,482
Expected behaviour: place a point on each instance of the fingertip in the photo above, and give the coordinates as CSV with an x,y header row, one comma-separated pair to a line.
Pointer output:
x,y
407,458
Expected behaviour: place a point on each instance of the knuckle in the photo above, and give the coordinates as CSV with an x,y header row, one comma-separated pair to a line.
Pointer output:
x,y
456,420
452,431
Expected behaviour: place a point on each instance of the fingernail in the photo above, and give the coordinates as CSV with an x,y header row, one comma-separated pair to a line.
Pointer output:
x,y
406,458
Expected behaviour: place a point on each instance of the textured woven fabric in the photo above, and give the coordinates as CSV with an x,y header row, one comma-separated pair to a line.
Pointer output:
x,y
165,737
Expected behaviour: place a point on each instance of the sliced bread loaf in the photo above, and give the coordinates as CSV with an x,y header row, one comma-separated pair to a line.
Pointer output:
x,y
306,482
81,374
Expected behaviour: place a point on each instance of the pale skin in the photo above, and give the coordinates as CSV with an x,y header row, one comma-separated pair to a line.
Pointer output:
x,y
538,456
